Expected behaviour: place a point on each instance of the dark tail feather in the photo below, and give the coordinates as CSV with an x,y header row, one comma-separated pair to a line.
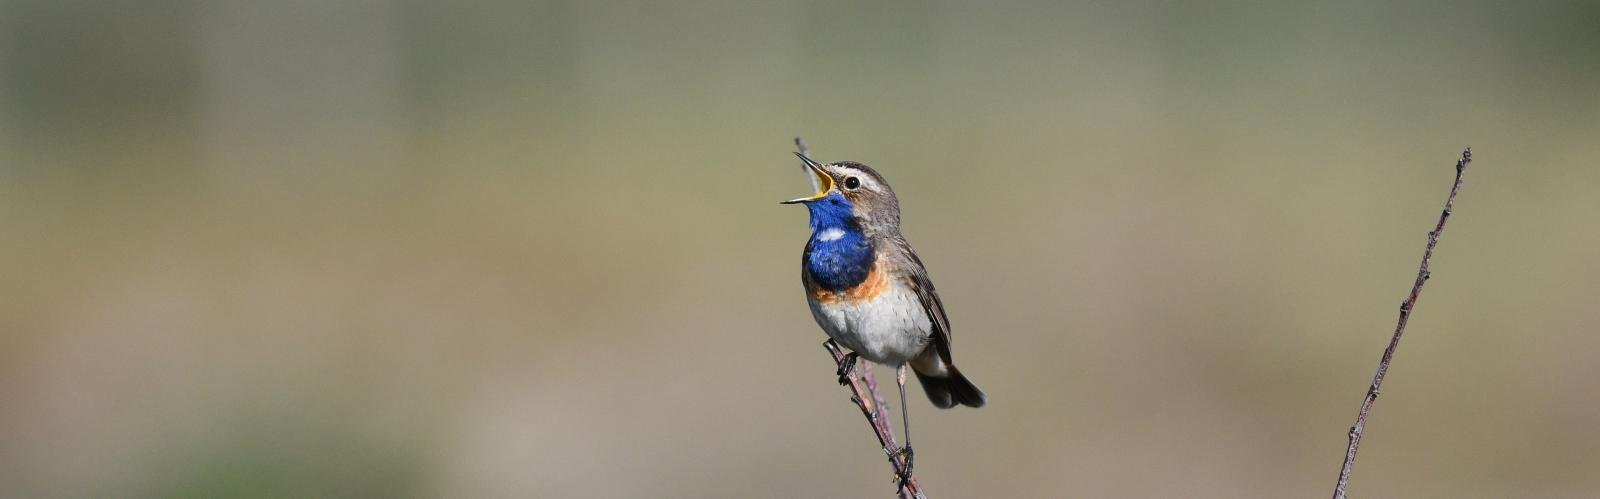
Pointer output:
x,y
946,392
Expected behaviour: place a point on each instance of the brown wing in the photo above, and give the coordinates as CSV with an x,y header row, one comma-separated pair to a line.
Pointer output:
x,y
917,275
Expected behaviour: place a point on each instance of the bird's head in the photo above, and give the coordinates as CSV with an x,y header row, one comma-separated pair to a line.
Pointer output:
x,y
850,192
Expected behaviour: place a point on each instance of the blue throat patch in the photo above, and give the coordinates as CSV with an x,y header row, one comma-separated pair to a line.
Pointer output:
x,y
844,262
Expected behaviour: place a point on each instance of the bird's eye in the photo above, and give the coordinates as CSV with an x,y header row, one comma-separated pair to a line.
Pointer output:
x,y
852,183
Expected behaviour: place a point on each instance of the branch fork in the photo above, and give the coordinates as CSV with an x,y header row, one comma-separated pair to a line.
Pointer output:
x,y
856,374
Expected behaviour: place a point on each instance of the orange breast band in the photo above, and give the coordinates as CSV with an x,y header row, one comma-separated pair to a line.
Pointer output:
x,y
876,283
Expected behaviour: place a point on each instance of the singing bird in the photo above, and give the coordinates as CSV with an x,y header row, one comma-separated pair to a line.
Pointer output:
x,y
867,288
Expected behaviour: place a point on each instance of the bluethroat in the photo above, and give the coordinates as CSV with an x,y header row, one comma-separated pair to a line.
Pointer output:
x,y
867,288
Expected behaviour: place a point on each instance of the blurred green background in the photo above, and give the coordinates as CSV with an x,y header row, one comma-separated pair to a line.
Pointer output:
x,y
511,249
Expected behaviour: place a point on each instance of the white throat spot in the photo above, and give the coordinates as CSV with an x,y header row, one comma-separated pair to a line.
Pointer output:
x,y
830,234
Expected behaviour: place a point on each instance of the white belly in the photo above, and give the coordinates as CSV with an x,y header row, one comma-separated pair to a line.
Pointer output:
x,y
888,329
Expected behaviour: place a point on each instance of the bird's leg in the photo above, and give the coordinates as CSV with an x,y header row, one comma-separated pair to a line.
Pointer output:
x,y
905,418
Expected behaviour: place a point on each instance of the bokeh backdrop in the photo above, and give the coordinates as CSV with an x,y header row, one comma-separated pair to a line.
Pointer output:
x,y
514,249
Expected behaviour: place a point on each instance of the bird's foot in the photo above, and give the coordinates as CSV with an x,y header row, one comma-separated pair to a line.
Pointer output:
x,y
904,455
846,367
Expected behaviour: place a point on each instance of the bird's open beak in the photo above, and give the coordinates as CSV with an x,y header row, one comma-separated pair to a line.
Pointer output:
x,y
824,182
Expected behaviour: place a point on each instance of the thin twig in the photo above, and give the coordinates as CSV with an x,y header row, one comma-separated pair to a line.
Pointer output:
x,y
1340,490
864,393
800,146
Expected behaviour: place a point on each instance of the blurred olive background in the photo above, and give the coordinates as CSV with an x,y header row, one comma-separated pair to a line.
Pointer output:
x,y
511,249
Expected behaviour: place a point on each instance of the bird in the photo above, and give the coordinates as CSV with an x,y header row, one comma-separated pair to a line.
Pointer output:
x,y
869,291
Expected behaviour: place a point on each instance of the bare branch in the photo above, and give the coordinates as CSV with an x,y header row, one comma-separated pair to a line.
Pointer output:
x,y
864,393
1341,490
800,146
